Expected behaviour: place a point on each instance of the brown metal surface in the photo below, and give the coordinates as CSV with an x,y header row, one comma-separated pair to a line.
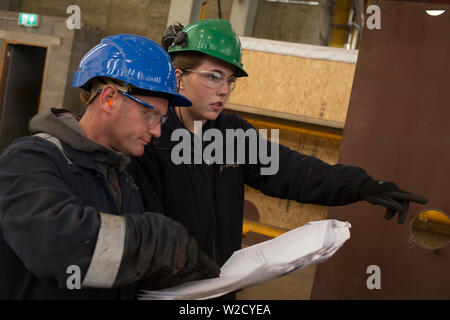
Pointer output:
x,y
398,129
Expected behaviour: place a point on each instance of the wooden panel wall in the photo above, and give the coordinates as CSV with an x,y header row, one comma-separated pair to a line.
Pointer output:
x,y
302,86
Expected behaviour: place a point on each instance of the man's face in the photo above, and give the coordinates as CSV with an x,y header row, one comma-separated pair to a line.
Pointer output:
x,y
133,125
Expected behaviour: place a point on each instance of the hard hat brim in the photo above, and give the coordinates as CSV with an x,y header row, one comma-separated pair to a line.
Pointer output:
x,y
179,100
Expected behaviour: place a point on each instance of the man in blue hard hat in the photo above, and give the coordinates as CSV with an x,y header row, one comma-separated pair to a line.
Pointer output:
x,y
72,221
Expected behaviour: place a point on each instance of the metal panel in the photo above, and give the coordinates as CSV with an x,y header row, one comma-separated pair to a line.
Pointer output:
x,y
397,128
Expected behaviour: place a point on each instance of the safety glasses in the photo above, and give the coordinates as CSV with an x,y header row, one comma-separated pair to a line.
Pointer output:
x,y
151,116
214,79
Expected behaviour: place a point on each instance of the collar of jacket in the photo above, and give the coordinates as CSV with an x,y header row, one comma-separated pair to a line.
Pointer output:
x,y
49,122
81,159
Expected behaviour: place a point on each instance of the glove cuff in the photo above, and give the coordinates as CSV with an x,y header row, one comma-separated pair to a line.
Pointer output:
x,y
364,186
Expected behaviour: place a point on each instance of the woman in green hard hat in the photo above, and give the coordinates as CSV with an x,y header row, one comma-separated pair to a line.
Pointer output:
x,y
208,198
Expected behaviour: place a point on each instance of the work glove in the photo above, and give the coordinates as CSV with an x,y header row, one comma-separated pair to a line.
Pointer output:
x,y
390,196
198,266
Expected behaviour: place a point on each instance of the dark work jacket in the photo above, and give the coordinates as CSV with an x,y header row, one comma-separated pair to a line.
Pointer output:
x,y
50,205
209,199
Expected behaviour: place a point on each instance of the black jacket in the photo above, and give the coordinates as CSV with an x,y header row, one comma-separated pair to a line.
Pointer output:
x,y
209,199
57,210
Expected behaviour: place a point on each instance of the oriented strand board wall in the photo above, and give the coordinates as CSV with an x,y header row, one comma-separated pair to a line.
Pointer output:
x,y
310,87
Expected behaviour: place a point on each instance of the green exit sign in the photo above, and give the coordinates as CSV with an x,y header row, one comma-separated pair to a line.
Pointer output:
x,y
28,19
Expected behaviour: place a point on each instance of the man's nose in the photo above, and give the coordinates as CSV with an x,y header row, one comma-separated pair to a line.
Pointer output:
x,y
155,131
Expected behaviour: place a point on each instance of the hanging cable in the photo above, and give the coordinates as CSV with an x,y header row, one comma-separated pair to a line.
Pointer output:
x,y
220,9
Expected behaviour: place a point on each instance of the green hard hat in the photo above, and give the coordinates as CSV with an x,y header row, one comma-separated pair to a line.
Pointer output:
x,y
216,38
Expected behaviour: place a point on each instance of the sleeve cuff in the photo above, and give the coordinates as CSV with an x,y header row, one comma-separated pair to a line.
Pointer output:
x,y
108,253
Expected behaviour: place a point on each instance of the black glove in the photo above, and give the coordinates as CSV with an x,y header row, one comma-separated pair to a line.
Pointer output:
x,y
198,266
390,196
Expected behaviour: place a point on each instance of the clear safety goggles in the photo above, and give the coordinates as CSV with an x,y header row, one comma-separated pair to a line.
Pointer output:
x,y
151,115
214,79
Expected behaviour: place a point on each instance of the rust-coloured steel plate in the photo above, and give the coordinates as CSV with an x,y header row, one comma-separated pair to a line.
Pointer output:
x,y
397,129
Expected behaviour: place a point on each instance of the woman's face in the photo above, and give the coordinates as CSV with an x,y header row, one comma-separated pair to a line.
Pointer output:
x,y
208,95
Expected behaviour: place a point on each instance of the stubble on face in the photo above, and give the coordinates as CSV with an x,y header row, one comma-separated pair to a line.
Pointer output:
x,y
132,132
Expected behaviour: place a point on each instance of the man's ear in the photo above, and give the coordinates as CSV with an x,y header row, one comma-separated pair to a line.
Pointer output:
x,y
107,98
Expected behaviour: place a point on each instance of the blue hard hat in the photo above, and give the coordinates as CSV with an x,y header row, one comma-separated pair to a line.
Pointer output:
x,y
135,60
